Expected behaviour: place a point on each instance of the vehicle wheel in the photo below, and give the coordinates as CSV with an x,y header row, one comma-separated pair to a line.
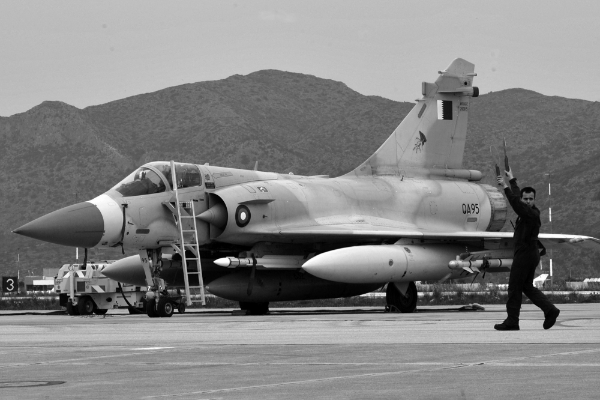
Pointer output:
x,y
100,311
255,308
397,302
151,308
181,308
71,309
86,305
165,308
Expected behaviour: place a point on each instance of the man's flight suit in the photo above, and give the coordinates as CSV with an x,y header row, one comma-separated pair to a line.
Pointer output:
x,y
526,257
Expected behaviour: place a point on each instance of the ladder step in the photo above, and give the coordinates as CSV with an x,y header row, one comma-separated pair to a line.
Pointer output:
x,y
186,216
187,230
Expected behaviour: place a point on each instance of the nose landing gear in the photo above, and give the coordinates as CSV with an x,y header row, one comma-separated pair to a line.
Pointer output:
x,y
160,302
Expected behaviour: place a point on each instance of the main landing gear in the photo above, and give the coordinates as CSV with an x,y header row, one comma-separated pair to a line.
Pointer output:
x,y
401,297
254,308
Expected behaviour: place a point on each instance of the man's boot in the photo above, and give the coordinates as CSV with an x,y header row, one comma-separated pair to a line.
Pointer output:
x,y
550,318
505,326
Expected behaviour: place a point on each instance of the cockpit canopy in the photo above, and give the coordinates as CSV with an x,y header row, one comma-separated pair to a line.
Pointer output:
x,y
156,177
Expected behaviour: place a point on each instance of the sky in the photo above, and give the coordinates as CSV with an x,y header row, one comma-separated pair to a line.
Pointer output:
x,y
92,52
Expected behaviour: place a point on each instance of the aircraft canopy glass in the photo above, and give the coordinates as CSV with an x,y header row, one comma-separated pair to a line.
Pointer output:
x,y
140,182
145,180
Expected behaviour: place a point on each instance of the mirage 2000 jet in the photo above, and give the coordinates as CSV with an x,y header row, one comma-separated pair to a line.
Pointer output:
x,y
410,212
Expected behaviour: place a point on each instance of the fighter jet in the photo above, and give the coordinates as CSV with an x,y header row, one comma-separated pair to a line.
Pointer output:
x,y
410,212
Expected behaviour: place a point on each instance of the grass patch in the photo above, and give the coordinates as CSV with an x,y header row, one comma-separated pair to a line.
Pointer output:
x,y
30,303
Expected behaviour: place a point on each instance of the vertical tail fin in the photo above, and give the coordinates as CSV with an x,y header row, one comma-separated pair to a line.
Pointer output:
x,y
432,135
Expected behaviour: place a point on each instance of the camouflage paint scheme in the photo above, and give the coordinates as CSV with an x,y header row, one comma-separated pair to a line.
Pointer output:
x,y
401,216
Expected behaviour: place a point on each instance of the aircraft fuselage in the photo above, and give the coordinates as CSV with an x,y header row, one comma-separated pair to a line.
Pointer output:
x,y
274,203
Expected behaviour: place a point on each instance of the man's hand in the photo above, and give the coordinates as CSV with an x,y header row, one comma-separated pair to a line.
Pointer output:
x,y
509,174
501,182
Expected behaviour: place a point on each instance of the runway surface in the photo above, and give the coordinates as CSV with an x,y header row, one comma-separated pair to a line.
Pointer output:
x,y
437,353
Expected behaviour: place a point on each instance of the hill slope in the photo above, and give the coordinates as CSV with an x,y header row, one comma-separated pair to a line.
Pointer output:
x,y
54,154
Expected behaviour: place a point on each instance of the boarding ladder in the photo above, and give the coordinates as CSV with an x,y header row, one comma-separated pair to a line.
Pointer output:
x,y
188,240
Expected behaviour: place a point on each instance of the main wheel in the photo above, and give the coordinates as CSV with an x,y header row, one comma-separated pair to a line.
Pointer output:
x,y
151,308
100,311
181,307
86,305
397,302
165,308
255,308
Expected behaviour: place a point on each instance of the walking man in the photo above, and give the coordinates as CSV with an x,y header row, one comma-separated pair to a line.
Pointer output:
x,y
526,257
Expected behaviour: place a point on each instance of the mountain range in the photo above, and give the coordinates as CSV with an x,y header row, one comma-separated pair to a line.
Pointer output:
x,y
55,154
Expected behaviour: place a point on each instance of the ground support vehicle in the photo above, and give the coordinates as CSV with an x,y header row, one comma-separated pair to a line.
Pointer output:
x,y
84,290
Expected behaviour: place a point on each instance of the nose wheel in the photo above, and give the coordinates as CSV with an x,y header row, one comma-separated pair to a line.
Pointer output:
x,y
151,308
165,306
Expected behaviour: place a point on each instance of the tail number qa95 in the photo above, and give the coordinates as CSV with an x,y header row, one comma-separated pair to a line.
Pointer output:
x,y
470,208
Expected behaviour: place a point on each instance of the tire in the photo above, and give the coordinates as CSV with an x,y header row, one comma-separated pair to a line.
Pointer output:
x,y
86,305
397,302
255,308
151,308
71,309
181,308
100,311
165,308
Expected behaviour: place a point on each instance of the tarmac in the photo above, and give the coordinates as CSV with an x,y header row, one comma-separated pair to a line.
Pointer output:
x,y
334,353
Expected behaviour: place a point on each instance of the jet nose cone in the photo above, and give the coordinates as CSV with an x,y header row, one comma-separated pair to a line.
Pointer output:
x,y
127,270
79,225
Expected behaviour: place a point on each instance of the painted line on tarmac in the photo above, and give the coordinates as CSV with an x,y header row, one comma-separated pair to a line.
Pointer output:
x,y
543,365
153,348
506,362
17,365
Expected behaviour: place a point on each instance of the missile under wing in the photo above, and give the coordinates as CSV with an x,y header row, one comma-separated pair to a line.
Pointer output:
x,y
410,212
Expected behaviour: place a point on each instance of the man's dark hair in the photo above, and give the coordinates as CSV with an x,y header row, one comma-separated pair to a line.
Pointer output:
x,y
528,189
